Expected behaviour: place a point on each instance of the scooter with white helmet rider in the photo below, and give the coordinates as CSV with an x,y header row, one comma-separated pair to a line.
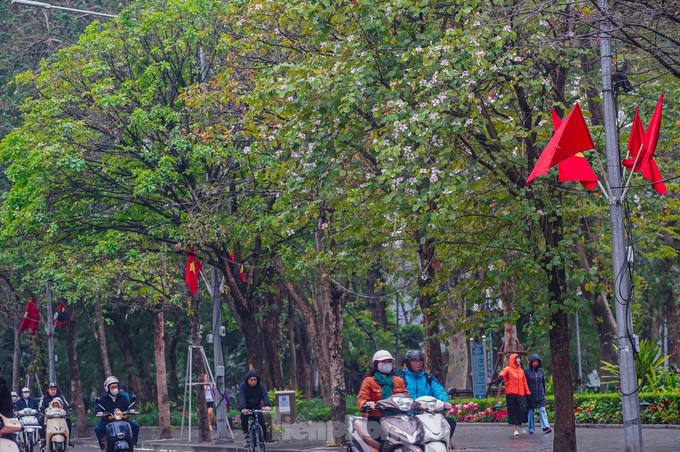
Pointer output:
x,y
115,430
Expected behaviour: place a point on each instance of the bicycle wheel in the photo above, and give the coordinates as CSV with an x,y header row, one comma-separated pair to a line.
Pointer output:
x,y
258,439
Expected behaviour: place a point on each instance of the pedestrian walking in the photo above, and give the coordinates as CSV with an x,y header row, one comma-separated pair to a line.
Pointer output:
x,y
516,392
536,400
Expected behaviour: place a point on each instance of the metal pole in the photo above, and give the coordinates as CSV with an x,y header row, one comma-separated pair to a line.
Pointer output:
x,y
396,328
220,404
578,350
50,333
72,10
622,291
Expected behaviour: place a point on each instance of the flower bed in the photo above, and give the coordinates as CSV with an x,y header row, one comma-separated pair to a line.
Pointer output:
x,y
655,408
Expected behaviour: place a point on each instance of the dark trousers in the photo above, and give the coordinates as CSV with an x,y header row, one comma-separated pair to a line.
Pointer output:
x,y
260,420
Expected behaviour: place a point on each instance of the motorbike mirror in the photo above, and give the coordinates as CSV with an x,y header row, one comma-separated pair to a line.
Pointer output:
x,y
133,398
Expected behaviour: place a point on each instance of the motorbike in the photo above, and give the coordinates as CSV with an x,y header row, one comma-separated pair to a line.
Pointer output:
x,y
436,430
56,428
7,427
403,431
118,431
29,436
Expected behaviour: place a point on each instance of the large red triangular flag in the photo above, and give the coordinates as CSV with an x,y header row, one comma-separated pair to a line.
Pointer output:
x,y
31,318
570,138
192,270
637,135
652,173
644,142
576,167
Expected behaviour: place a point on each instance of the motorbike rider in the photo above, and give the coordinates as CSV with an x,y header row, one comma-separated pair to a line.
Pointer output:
x,y
420,383
52,393
6,408
109,402
15,397
26,401
380,384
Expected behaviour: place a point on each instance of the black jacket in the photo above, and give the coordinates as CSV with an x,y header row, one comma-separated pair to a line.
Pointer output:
x,y
536,382
252,397
6,405
110,403
47,399
25,403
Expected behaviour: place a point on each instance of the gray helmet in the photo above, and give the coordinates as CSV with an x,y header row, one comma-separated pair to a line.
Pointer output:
x,y
413,355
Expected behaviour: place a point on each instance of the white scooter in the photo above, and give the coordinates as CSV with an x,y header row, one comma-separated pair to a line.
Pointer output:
x,y
437,430
56,428
29,436
403,432
7,427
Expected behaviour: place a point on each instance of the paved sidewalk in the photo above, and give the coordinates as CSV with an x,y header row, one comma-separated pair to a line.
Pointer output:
x,y
468,437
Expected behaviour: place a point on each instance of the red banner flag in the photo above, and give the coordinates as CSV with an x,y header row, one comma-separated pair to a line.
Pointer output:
x,y
31,318
570,138
576,167
192,270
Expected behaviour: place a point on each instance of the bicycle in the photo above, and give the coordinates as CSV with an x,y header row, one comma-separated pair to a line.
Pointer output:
x,y
256,442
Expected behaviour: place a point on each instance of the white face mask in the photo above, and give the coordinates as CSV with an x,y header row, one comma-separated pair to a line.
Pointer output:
x,y
385,368
114,392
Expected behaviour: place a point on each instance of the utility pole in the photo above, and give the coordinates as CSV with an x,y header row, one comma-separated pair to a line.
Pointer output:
x,y
220,403
622,291
50,333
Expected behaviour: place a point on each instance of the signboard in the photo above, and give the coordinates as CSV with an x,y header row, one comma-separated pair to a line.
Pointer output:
x,y
479,369
284,404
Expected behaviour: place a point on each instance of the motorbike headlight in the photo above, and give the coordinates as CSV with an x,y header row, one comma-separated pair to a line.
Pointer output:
x,y
404,403
118,415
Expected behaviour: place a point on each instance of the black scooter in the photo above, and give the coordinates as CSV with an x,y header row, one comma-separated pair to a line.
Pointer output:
x,y
118,431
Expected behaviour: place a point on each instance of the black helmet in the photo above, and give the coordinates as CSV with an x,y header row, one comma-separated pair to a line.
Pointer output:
x,y
413,355
52,385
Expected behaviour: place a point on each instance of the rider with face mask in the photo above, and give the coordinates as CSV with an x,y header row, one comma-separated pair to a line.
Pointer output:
x,y
26,401
379,384
111,400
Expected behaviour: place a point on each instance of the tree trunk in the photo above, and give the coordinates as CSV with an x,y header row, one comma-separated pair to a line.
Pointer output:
x,y
565,434
376,300
16,356
163,399
172,358
457,346
271,338
74,370
198,370
337,299
135,369
431,313
605,323
100,337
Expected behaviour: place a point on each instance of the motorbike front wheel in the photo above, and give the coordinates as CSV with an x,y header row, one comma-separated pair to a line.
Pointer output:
x,y
110,448
57,447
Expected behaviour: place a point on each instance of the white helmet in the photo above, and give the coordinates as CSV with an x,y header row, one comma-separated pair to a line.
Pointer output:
x,y
109,381
25,390
382,355
14,394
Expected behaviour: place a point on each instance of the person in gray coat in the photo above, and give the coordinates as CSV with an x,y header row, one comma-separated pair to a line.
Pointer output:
x,y
536,400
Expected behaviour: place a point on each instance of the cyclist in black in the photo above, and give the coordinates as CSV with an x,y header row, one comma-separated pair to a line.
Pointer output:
x,y
251,395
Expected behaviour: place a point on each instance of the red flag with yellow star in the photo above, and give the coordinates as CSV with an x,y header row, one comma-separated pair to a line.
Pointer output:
x,y
192,270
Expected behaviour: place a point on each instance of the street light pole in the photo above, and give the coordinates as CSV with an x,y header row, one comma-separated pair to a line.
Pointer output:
x,y
63,8
622,291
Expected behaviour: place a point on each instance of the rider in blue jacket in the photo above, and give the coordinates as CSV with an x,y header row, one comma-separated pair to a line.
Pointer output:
x,y
420,383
